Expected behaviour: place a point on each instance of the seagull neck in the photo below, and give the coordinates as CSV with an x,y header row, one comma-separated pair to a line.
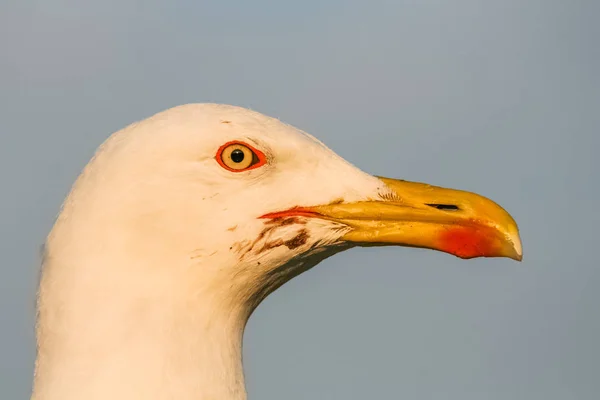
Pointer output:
x,y
172,342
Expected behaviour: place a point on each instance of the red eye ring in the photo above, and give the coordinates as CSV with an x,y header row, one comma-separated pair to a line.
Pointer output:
x,y
246,157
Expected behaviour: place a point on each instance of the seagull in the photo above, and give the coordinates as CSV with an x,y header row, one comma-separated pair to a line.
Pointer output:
x,y
181,224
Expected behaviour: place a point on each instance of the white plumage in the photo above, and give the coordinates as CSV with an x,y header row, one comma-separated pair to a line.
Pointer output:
x,y
161,251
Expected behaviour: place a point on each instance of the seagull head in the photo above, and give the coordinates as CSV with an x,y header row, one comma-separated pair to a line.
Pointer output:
x,y
233,197
181,224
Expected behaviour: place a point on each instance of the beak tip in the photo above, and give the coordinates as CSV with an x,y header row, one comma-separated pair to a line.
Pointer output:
x,y
517,246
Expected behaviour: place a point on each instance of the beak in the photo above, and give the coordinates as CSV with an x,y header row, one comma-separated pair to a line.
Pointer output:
x,y
464,224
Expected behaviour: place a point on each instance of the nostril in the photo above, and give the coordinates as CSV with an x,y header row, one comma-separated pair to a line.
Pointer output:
x,y
445,207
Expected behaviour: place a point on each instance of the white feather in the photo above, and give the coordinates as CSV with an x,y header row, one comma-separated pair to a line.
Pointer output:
x,y
158,257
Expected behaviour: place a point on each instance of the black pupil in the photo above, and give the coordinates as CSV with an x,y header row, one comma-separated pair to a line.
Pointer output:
x,y
237,156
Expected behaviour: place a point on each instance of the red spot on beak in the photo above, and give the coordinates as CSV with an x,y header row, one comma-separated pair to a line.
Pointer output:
x,y
468,241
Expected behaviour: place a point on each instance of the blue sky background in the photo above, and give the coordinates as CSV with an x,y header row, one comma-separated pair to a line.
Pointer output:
x,y
497,97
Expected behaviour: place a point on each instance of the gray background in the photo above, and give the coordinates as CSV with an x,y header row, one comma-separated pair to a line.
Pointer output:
x,y
498,97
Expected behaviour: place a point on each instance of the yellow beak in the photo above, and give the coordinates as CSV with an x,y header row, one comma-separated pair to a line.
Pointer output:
x,y
464,224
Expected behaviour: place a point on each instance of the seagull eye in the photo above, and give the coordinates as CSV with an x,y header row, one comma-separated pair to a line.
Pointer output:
x,y
238,156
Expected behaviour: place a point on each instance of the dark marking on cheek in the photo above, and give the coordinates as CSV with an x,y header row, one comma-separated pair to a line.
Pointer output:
x,y
283,221
225,122
260,237
239,246
298,240
233,228
262,234
292,220
271,245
